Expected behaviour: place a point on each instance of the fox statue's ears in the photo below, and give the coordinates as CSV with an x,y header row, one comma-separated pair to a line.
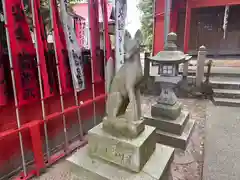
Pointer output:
x,y
127,36
138,36
131,46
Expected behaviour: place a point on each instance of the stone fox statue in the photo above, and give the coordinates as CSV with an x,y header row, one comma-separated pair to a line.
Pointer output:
x,y
124,89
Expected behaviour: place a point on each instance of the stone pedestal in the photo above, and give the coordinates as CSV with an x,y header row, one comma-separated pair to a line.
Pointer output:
x,y
107,157
84,167
175,133
131,154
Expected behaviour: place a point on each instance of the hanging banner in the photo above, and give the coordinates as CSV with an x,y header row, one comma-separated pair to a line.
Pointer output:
x,y
79,30
93,20
121,13
22,52
109,69
3,86
74,51
42,49
61,49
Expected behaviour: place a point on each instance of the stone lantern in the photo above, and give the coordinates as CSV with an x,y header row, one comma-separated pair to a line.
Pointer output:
x,y
167,104
166,113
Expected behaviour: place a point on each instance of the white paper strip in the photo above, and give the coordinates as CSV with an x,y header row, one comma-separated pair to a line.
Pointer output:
x,y
86,37
74,51
225,21
121,13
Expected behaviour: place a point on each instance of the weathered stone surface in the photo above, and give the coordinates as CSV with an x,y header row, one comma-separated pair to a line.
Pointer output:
x,y
167,97
124,90
172,81
163,110
163,124
200,65
176,141
131,154
122,127
84,167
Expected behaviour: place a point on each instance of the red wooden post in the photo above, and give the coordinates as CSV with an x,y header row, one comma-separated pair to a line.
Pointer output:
x,y
174,17
173,24
34,128
158,38
187,27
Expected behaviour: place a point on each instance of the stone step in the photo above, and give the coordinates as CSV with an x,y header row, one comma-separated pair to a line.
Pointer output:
x,y
82,166
226,93
166,125
215,71
226,102
218,82
225,84
176,141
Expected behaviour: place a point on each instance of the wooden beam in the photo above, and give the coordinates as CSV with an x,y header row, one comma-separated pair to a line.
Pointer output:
x,y
210,3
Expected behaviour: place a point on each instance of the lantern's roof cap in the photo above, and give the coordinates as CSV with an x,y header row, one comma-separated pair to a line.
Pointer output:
x,y
170,54
175,57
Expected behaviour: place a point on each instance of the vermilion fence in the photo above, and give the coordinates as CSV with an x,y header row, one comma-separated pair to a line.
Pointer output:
x,y
37,134
32,129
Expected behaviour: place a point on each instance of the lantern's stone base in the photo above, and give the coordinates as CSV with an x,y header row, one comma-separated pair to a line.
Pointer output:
x,y
175,140
164,110
131,154
84,167
175,133
163,124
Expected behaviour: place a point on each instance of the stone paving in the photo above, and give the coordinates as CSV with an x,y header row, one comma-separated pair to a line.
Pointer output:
x,y
187,164
222,149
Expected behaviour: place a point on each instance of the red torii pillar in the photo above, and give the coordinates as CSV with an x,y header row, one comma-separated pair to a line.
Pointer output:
x,y
158,31
174,16
158,35
187,26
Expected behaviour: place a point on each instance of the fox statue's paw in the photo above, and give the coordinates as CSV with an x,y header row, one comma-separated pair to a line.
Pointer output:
x,y
122,127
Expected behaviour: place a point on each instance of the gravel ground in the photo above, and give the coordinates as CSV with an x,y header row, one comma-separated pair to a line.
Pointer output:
x,y
187,165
